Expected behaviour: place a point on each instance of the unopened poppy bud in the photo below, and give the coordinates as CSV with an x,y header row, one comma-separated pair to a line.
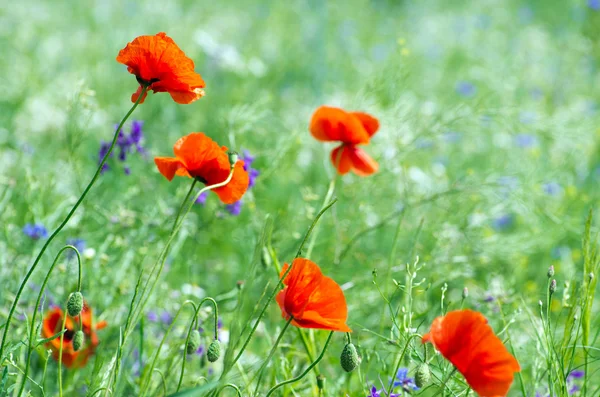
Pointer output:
x,y
233,158
465,293
78,339
75,304
214,351
422,375
551,272
349,358
321,382
552,287
194,342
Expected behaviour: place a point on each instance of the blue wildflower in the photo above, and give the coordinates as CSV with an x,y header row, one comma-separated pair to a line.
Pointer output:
x,y
466,88
380,393
235,208
407,384
551,188
126,143
503,222
35,231
526,140
594,4
166,318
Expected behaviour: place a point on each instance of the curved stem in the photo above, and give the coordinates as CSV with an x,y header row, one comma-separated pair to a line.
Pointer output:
x,y
399,362
306,371
278,286
237,389
37,306
147,379
64,223
60,353
193,324
99,390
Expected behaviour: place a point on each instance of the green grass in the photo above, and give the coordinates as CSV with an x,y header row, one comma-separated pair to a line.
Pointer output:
x,y
462,185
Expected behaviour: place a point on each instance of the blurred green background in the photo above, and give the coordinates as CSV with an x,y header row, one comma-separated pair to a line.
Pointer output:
x,y
489,151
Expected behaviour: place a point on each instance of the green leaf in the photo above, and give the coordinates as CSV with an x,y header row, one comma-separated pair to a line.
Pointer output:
x,y
46,340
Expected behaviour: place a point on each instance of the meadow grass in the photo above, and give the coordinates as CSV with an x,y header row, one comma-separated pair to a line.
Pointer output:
x,y
489,164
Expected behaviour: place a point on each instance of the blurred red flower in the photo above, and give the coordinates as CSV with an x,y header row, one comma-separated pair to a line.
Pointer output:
x,y
351,129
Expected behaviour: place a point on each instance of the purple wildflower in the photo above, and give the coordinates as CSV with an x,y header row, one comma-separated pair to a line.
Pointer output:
x,y
576,374
594,4
77,243
466,89
407,384
125,142
35,231
380,393
526,140
252,173
551,188
166,318
234,209
152,316
202,198
503,222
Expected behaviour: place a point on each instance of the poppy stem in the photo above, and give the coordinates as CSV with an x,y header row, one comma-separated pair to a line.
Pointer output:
x,y
231,385
399,361
63,224
271,353
60,354
30,345
325,201
306,371
194,324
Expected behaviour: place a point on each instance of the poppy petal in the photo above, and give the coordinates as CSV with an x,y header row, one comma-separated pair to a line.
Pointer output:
x,y
199,153
300,282
169,166
362,163
136,95
466,340
370,123
327,307
341,159
236,187
335,124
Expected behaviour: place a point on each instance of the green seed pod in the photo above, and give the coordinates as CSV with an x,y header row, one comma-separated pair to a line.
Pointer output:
x,y
78,340
321,381
349,358
423,375
194,342
214,351
75,304
233,157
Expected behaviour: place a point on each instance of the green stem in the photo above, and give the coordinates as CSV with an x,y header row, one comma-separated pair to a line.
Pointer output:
x,y
306,371
64,223
231,385
193,324
328,196
399,362
37,306
146,382
60,353
277,287
271,353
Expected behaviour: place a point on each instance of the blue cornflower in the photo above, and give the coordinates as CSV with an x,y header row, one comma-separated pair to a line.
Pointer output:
x,y
526,140
380,393
407,384
551,188
503,222
466,88
594,4
35,231
235,208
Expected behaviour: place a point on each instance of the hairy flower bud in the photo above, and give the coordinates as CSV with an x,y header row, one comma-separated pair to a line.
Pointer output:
x,y
552,287
551,272
422,375
214,351
194,342
233,158
349,358
75,304
78,339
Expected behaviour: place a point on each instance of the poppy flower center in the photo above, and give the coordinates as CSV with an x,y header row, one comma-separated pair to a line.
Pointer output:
x,y
69,334
144,82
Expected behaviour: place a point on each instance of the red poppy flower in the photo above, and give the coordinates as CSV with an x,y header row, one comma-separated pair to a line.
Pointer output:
x,y
198,156
71,358
466,340
160,63
351,129
313,300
